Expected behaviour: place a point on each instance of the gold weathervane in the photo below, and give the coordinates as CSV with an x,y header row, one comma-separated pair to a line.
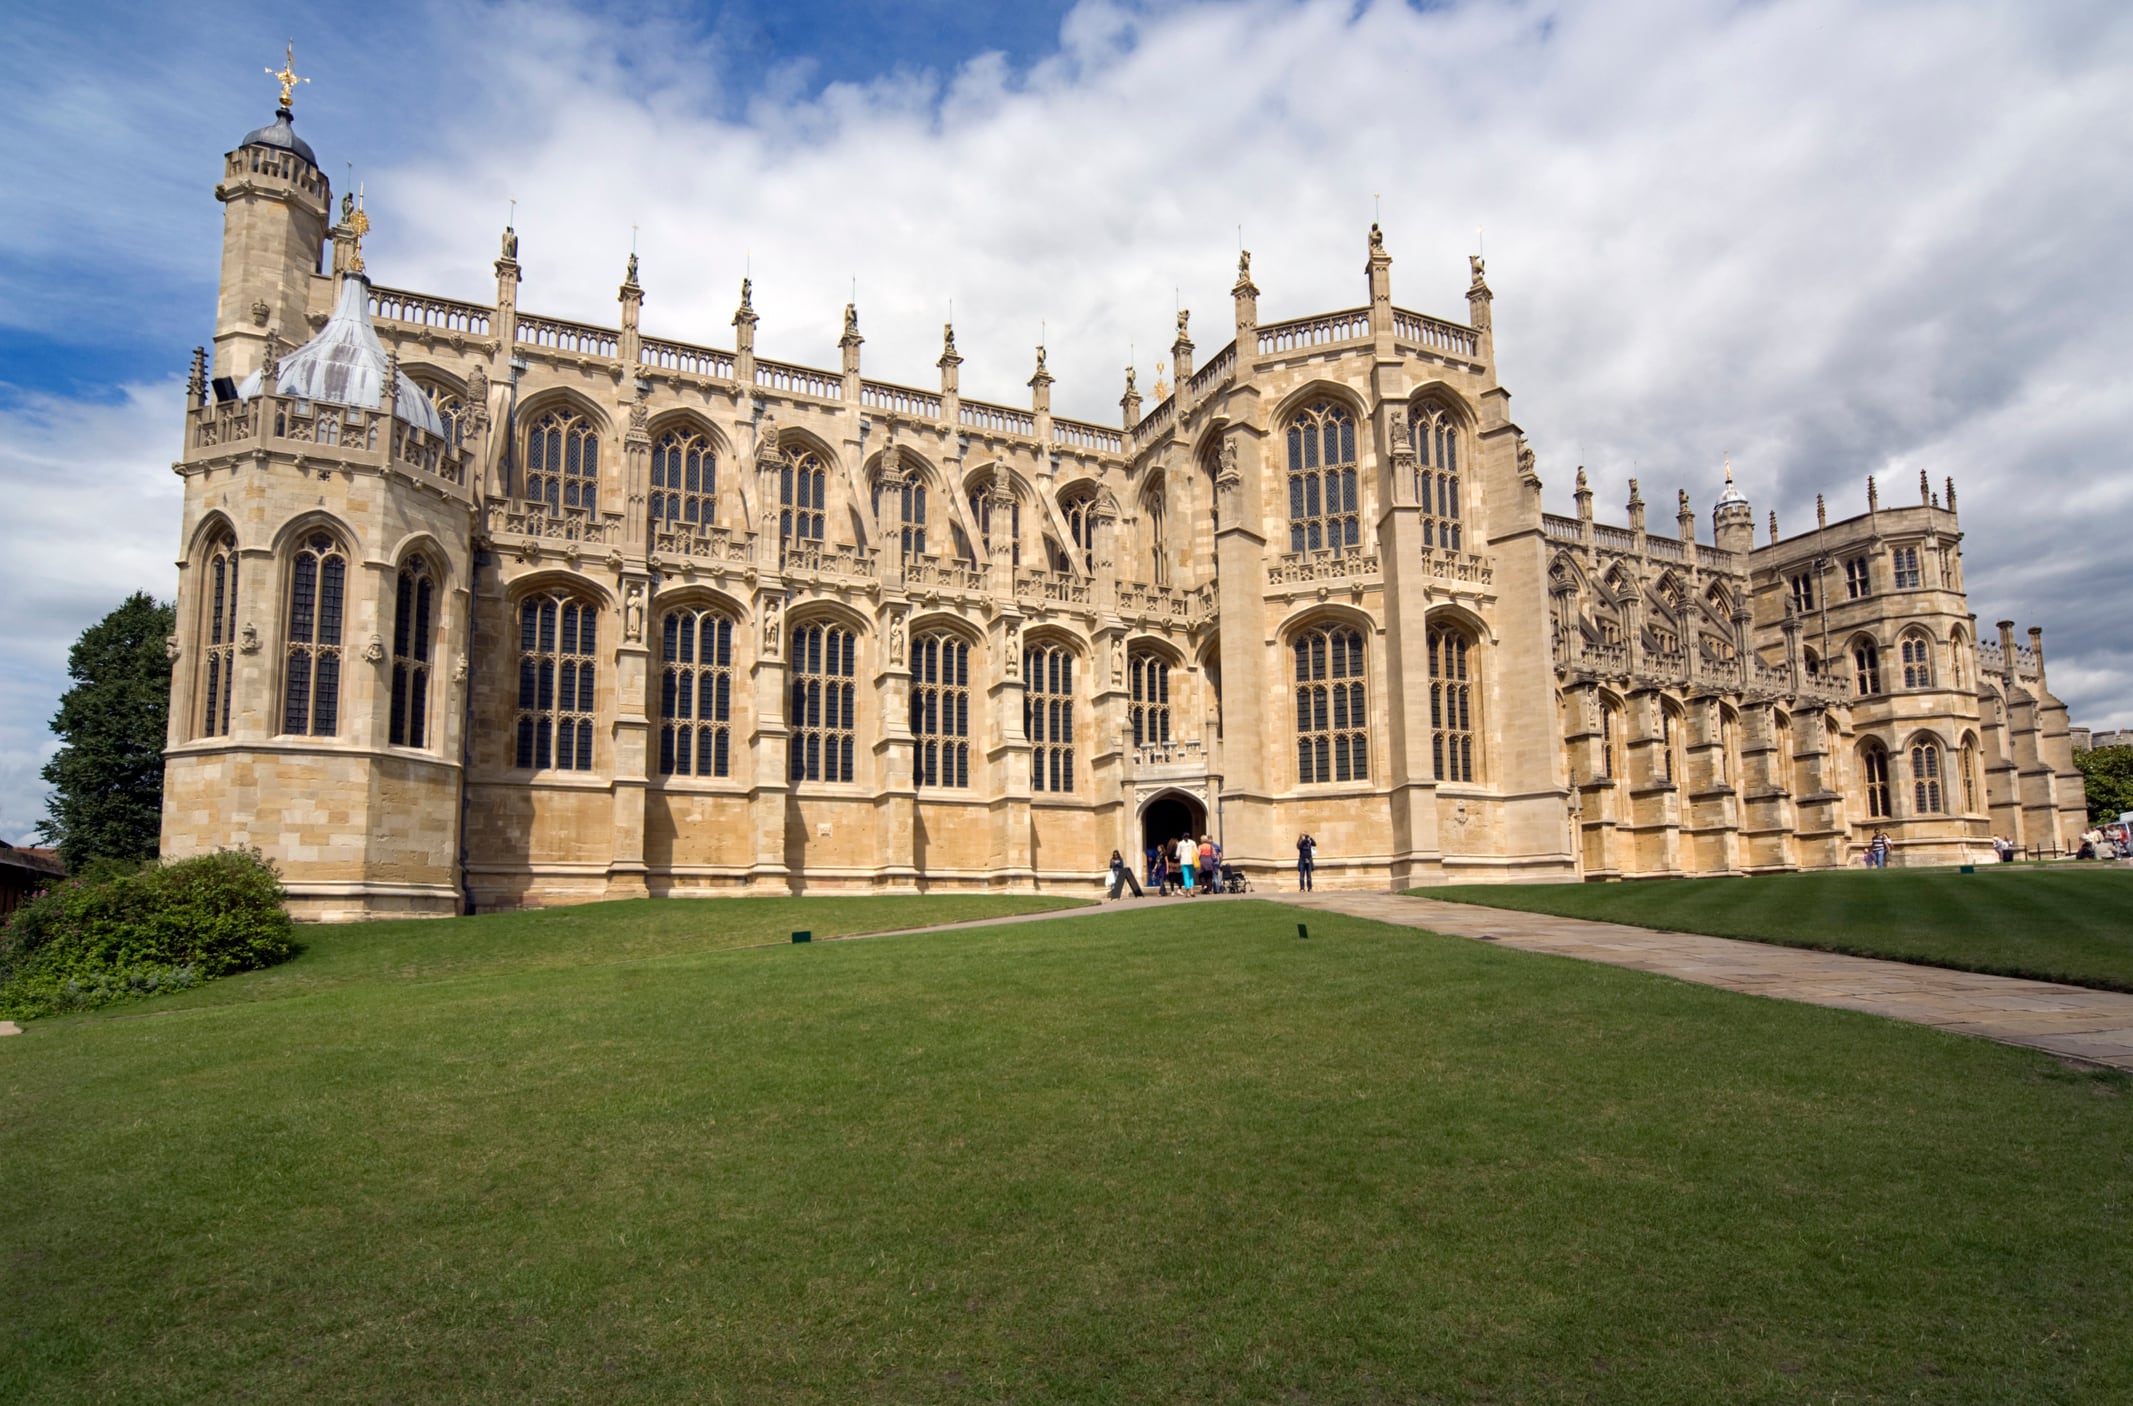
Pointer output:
x,y
288,77
359,225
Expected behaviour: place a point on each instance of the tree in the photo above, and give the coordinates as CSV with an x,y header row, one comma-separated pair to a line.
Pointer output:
x,y
2107,777
107,798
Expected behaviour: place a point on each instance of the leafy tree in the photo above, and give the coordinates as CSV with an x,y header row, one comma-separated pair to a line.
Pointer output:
x,y
107,780
2107,776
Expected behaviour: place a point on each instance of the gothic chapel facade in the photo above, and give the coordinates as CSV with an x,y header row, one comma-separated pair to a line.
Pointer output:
x,y
479,608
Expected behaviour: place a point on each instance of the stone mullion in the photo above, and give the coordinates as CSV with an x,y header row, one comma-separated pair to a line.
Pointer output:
x,y
895,759
769,790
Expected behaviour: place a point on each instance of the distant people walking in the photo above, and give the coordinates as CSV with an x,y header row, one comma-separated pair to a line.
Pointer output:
x,y
2004,848
1877,851
1306,861
1122,875
1188,859
1207,865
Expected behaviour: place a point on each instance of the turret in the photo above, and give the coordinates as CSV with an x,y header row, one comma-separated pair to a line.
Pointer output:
x,y
276,203
1245,294
1733,519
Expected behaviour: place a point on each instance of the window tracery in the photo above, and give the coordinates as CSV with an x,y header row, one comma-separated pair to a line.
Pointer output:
x,y
802,496
1917,656
1435,435
1925,778
563,462
1080,511
1332,722
1874,762
1149,676
684,480
696,693
1048,715
557,669
998,515
1324,504
1451,706
940,710
908,500
824,721
219,630
413,609
1866,663
311,683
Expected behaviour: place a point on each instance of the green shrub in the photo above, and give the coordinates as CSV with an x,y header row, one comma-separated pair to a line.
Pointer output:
x,y
120,936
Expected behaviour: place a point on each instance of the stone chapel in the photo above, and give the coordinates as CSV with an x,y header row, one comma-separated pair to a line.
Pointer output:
x,y
479,608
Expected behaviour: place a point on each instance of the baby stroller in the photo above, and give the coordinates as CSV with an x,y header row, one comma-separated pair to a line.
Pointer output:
x,y
1234,880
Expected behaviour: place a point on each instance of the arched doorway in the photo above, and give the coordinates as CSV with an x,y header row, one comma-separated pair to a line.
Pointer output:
x,y
1170,815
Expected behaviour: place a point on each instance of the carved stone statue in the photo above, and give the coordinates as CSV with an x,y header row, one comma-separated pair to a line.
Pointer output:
x,y
248,639
1244,266
771,607
1479,266
630,274
1230,473
510,246
1014,649
633,613
640,409
1184,316
348,206
1118,663
1377,239
459,669
851,319
896,640
1396,427
766,443
375,650
170,648
948,341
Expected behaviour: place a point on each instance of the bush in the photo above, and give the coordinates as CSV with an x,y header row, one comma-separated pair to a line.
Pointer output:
x,y
120,936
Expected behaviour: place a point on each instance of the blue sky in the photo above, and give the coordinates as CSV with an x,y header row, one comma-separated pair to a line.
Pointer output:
x,y
1832,238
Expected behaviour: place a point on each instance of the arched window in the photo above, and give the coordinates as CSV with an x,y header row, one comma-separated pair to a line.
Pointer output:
x,y
1451,705
414,607
1669,743
1332,718
1866,664
311,686
1080,511
1874,763
1958,666
1436,440
825,702
1324,507
696,693
998,514
219,630
563,462
801,496
557,648
684,481
1917,662
1610,730
940,710
1925,778
1158,557
1968,760
452,410
1150,707
907,502
1048,715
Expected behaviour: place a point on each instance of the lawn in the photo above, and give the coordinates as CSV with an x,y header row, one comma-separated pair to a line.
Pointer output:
x,y
1162,1154
2057,923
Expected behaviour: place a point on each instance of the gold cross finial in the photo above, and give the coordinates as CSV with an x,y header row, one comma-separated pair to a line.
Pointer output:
x,y
288,76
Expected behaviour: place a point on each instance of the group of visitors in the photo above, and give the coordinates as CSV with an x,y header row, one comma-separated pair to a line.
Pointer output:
x,y
1877,850
1185,865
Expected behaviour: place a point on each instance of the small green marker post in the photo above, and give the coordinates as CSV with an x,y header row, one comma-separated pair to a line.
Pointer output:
x,y
1302,931
803,936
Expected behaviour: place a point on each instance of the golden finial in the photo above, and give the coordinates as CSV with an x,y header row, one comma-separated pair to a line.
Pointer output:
x,y
1162,387
359,225
288,76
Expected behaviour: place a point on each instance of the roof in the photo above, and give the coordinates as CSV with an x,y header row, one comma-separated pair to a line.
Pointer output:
x,y
281,136
32,858
345,364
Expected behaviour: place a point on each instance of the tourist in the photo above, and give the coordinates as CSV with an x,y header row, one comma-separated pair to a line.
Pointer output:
x,y
1187,856
1122,875
1208,872
1877,853
1306,861
1159,870
2004,848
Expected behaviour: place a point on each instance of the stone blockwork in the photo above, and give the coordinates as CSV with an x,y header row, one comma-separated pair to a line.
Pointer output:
x,y
617,615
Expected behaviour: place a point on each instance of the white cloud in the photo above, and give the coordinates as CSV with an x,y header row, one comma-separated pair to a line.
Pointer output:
x,y
1832,237
92,516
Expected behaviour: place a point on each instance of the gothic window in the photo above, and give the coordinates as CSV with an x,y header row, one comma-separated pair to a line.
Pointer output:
x,y
1451,703
801,496
414,607
1048,716
1669,744
696,693
557,642
1866,663
311,686
1436,441
1324,510
1925,778
999,521
1332,721
1812,662
1722,767
219,630
452,411
1158,559
1904,563
940,710
1875,763
1608,730
1150,706
684,481
1917,656
1803,592
907,503
563,463
1968,761
825,701
1081,526
1858,578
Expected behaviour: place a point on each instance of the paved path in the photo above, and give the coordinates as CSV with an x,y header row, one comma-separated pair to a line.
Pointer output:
x,y
2072,1021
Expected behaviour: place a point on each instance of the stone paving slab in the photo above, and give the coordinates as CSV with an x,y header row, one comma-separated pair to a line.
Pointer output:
x,y
2073,1022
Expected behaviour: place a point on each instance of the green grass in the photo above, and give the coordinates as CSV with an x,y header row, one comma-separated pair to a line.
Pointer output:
x,y
2061,923
1168,1154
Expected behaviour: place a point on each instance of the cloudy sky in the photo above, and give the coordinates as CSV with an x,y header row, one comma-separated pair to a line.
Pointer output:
x,y
1828,237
